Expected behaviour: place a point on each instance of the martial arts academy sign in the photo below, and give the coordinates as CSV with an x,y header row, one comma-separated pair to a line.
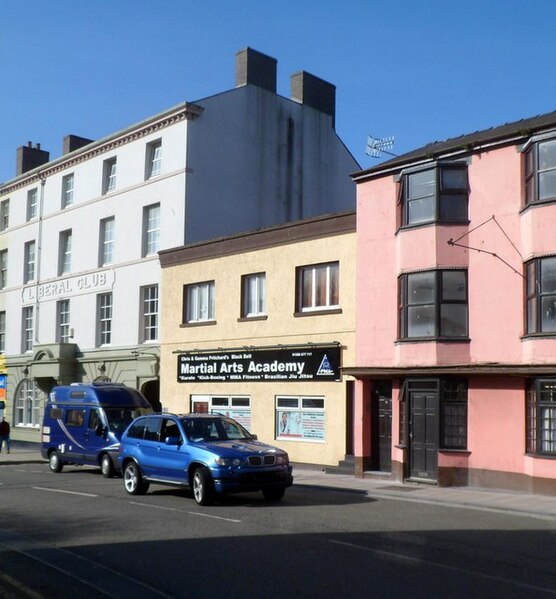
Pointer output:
x,y
311,364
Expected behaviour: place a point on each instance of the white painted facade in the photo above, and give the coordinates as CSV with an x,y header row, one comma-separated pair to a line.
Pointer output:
x,y
241,160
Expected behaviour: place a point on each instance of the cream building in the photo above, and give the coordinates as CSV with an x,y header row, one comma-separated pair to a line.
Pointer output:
x,y
258,326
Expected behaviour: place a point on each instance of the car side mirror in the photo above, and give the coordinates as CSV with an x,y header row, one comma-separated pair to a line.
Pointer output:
x,y
172,441
254,437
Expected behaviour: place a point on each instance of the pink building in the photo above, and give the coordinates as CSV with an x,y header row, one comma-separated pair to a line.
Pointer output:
x,y
456,311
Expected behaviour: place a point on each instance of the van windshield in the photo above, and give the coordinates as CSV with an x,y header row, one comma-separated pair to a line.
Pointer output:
x,y
120,418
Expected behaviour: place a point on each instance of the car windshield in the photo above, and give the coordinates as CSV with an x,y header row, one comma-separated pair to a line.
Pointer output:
x,y
119,418
213,429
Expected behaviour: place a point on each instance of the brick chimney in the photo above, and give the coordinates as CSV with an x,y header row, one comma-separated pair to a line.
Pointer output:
x,y
314,92
255,68
29,157
74,142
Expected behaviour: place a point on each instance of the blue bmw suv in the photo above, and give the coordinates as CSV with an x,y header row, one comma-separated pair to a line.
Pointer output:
x,y
210,454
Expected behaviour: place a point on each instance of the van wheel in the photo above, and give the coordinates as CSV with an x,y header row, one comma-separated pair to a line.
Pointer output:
x,y
133,481
203,490
54,462
274,494
106,466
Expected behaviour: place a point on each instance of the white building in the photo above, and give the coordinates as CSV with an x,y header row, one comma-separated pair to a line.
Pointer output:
x,y
80,234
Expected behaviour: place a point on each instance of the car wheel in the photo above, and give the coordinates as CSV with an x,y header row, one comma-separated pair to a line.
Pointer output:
x,y
274,494
106,466
54,462
203,490
133,481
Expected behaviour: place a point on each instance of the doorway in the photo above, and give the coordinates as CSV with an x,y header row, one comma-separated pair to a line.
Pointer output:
x,y
381,426
423,430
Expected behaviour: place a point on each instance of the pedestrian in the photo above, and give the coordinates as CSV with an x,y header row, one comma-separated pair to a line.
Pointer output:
x,y
4,434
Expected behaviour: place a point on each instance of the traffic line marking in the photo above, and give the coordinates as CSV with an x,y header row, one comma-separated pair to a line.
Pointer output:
x,y
64,491
173,509
409,558
22,588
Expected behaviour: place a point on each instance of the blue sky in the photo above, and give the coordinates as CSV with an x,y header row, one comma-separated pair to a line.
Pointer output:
x,y
419,70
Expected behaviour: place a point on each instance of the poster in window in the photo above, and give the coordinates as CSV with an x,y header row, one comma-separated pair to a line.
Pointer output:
x,y
300,425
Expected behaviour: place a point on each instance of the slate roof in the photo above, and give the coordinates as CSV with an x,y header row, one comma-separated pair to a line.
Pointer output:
x,y
466,143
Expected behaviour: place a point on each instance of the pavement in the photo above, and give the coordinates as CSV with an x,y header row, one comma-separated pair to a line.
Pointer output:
x,y
510,502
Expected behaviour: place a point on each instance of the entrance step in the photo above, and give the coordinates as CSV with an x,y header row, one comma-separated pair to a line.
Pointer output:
x,y
345,466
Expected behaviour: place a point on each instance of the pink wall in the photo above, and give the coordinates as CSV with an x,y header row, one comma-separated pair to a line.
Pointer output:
x,y
495,284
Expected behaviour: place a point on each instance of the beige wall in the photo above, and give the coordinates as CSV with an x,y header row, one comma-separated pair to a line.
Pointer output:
x,y
281,327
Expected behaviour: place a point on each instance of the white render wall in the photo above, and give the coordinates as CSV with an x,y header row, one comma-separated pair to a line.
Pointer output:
x,y
258,159
129,270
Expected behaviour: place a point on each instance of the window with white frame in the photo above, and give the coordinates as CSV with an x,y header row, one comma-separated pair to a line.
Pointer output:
x,y
29,262
198,300
109,175
2,331
153,159
64,256
4,214
151,229
318,287
32,203
149,305
253,295
104,319
63,321
300,418
232,406
106,241
27,323
27,406
67,190
3,268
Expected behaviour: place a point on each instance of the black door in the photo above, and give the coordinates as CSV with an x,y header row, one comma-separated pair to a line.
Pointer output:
x,y
423,434
381,427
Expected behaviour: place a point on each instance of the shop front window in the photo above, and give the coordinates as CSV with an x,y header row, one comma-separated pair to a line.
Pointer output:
x,y
300,418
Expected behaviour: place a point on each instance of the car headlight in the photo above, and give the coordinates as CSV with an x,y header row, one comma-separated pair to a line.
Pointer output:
x,y
229,461
282,458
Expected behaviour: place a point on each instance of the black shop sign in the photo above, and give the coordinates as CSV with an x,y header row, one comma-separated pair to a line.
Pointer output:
x,y
264,365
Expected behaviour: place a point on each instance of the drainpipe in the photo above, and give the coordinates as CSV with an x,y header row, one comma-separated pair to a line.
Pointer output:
x,y
38,262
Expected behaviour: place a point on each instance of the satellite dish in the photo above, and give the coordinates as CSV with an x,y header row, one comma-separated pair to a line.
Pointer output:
x,y
376,146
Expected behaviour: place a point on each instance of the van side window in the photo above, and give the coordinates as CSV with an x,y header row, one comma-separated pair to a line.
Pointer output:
x,y
75,417
152,429
56,413
94,419
137,429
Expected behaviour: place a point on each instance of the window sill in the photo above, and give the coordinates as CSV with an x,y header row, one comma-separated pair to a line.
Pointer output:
x,y
434,223
541,456
204,323
433,340
458,451
317,312
251,318
537,204
531,336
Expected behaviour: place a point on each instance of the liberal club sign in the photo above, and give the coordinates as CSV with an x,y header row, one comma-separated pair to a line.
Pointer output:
x,y
312,364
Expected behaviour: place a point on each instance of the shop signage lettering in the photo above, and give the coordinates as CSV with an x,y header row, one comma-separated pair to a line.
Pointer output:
x,y
315,364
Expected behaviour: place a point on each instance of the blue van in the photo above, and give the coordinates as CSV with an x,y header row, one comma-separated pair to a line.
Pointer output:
x,y
83,423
